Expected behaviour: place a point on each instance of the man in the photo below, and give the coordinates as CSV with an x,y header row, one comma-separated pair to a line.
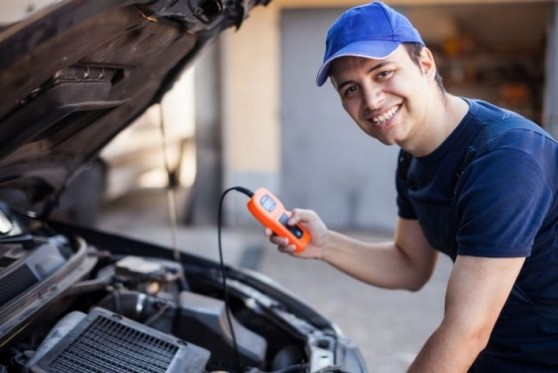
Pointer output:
x,y
493,210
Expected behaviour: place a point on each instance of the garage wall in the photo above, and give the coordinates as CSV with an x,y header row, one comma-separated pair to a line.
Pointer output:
x,y
250,119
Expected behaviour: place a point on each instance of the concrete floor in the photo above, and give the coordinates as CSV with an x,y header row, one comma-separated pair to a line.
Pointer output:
x,y
388,326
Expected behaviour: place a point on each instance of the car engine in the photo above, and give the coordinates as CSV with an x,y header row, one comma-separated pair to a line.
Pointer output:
x,y
77,300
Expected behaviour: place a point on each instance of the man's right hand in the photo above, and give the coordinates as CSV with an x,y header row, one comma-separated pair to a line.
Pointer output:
x,y
317,228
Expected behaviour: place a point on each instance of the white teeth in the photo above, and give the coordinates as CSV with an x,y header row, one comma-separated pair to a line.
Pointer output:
x,y
386,116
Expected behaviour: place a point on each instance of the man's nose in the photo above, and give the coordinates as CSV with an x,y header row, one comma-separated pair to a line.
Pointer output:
x,y
373,97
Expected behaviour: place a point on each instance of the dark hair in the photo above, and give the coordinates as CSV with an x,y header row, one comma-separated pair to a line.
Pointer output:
x,y
414,49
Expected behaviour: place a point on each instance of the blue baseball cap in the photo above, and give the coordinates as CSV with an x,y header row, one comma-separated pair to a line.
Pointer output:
x,y
373,30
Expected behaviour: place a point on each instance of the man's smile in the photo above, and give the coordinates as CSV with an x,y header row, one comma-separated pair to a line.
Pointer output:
x,y
385,116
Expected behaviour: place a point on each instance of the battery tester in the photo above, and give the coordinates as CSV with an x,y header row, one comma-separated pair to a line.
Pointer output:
x,y
271,213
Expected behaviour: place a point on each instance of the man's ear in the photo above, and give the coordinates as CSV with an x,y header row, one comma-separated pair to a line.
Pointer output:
x,y
427,63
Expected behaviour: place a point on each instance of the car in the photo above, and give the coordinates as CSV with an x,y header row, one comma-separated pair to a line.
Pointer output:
x,y
73,75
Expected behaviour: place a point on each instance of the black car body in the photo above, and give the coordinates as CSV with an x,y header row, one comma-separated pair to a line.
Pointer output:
x,y
73,299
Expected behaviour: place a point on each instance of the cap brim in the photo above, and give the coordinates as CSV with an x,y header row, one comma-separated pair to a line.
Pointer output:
x,y
374,50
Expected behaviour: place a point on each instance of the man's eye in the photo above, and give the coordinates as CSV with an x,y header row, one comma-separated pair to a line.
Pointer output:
x,y
384,74
349,90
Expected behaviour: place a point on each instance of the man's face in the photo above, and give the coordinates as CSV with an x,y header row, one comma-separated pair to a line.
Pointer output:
x,y
392,99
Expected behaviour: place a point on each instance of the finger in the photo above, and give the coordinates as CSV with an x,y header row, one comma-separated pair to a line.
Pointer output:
x,y
299,215
288,249
295,217
280,241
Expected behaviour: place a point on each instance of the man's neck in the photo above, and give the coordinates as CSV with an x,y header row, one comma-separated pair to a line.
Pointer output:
x,y
444,120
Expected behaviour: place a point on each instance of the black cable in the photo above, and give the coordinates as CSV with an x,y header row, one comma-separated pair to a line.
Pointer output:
x,y
240,189
249,193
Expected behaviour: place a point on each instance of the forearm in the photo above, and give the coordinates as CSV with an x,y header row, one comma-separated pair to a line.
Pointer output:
x,y
380,264
449,351
477,290
405,263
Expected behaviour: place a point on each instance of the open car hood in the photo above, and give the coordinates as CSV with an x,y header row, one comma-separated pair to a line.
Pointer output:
x,y
76,73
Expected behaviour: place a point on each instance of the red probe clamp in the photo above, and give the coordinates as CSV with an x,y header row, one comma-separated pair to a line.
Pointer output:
x,y
270,212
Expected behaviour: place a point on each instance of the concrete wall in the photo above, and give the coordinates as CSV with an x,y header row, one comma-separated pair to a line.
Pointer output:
x,y
250,91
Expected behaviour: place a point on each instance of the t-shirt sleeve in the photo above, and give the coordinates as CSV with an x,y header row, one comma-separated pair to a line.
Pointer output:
x,y
502,199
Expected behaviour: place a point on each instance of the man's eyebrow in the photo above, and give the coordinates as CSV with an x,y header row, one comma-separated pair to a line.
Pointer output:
x,y
377,66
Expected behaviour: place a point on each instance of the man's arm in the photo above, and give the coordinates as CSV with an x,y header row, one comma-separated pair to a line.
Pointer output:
x,y
477,290
407,262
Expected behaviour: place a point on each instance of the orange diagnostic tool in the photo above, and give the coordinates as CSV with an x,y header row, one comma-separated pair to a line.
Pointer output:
x,y
271,213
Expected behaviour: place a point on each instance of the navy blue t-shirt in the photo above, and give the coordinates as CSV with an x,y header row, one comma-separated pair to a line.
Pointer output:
x,y
504,204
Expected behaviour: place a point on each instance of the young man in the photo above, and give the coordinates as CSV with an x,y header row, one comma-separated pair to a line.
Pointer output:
x,y
493,210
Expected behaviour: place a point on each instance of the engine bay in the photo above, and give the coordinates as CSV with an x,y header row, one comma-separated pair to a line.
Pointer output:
x,y
74,299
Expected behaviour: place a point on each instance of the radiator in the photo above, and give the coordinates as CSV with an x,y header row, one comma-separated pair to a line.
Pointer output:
x,y
104,342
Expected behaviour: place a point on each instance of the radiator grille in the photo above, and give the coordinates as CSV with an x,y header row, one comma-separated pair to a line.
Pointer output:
x,y
15,284
107,346
108,343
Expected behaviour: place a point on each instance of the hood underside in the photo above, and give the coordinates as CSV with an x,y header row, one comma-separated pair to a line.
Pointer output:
x,y
76,73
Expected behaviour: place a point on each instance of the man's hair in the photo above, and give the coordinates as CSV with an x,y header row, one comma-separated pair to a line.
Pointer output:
x,y
414,49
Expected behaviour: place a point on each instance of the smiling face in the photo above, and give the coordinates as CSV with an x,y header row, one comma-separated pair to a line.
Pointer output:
x,y
393,100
